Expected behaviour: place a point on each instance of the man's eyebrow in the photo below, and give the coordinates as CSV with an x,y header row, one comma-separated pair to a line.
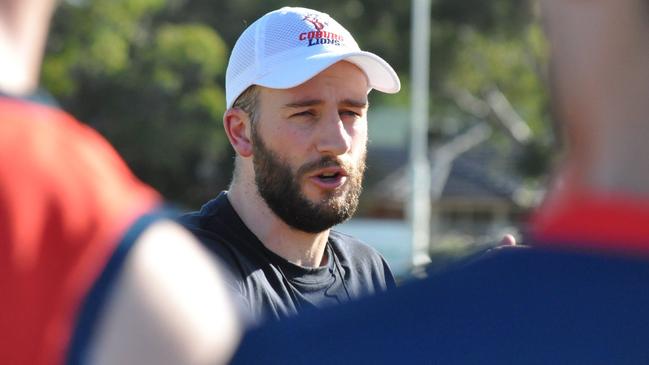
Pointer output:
x,y
302,103
355,103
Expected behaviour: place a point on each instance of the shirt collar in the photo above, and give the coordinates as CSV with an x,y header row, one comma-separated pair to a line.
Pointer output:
x,y
40,96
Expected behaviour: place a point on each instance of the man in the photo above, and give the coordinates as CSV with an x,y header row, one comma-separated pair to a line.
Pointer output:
x,y
296,90
580,295
91,271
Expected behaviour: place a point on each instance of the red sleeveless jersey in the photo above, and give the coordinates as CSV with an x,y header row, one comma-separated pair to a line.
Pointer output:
x,y
66,201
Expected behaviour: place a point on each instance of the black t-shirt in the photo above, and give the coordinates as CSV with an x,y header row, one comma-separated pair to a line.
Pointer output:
x,y
271,286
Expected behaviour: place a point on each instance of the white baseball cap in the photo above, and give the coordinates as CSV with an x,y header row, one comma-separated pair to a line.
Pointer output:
x,y
289,46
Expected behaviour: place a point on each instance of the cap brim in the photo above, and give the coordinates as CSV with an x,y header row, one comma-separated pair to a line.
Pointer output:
x,y
379,73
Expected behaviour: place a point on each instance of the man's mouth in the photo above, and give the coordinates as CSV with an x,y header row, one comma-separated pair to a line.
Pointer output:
x,y
329,178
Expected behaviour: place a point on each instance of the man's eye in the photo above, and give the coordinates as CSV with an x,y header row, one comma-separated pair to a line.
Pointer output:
x,y
350,113
306,113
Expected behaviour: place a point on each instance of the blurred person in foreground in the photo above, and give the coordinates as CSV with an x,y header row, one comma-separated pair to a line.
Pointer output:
x,y
297,88
91,271
580,294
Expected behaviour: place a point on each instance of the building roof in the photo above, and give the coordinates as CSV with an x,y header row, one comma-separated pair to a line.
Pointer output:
x,y
482,173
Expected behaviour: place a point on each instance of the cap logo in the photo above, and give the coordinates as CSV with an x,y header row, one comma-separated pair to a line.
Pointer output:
x,y
319,35
313,19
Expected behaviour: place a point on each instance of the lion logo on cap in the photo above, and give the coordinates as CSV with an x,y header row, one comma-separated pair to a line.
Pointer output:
x,y
315,20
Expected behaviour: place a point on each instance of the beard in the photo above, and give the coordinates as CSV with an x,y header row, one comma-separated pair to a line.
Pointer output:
x,y
280,188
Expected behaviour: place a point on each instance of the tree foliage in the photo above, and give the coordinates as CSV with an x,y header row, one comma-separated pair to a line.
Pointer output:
x,y
152,86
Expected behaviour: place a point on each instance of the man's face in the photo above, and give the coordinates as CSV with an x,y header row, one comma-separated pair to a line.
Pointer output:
x,y
309,148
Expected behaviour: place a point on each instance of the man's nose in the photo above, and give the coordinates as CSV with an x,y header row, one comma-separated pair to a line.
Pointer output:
x,y
333,136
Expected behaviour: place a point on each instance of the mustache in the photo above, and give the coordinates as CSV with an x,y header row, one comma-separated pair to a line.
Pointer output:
x,y
324,162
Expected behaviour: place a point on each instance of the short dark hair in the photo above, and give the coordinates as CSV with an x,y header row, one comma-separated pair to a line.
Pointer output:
x,y
248,102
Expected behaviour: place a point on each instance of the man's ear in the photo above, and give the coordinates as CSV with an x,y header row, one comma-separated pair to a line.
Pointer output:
x,y
238,128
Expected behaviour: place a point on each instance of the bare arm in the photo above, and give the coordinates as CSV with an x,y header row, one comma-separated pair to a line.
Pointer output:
x,y
170,306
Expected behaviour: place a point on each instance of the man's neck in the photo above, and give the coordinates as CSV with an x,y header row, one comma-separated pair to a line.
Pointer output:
x,y
23,31
301,248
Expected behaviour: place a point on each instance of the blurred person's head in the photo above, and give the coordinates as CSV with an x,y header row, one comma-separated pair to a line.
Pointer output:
x,y
296,91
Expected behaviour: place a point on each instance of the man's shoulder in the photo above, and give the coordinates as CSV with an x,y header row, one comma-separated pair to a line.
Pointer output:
x,y
516,269
353,246
363,259
220,231
213,235
191,220
208,223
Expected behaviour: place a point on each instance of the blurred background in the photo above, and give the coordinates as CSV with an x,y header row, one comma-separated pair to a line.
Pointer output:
x,y
149,75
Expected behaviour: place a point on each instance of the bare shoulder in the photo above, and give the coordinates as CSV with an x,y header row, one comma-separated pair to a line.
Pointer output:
x,y
169,305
